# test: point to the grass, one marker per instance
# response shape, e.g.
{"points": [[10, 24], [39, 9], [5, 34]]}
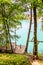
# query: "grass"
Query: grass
{"points": [[40, 55], [13, 59], [41, 62]]}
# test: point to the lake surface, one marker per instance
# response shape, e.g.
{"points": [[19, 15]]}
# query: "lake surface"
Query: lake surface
{"points": [[23, 32]]}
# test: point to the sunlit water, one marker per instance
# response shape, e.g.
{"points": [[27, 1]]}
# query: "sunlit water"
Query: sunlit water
{"points": [[23, 32]]}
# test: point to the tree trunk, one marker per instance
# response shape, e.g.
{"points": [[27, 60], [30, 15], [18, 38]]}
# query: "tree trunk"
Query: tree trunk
{"points": [[6, 27], [35, 52], [9, 37], [29, 31]]}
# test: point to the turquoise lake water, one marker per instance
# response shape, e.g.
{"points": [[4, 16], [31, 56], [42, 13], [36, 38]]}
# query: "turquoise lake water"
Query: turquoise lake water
{"points": [[23, 32]]}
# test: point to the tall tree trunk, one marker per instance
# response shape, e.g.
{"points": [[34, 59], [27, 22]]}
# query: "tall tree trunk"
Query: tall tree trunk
{"points": [[6, 28], [35, 52], [29, 31], [9, 36]]}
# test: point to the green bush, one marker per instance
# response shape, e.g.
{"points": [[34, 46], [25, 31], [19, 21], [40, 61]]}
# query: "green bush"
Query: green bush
{"points": [[13, 59]]}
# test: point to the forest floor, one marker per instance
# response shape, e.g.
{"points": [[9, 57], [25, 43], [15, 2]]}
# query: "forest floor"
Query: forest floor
{"points": [[35, 62], [41, 62]]}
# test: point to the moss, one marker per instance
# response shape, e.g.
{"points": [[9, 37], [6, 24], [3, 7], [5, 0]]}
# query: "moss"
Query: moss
{"points": [[13, 59]]}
